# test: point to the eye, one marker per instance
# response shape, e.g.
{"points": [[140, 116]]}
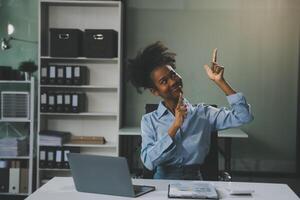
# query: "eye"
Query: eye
{"points": [[163, 81]]}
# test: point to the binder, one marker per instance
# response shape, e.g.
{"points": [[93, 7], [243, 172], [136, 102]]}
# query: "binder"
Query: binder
{"points": [[67, 150], [51, 102], [78, 102], [59, 102], [61, 75], [4, 179], [80, 75], [52, 74], [69, 75], [59, 158], [43, 158], [24, 180], [14, 177], [44, 98], [50, 157], [65, 159], [44, 75], [67, 103]]}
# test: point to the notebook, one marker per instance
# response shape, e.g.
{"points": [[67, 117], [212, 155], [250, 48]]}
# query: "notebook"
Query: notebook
{"points": [[192, 190]]}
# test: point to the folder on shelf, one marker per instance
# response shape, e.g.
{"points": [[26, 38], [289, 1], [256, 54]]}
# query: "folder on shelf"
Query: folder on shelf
{"points": [[80, 75], [23, 180], [52, 74], [50, 157], [43, 158], [78, 102], [65, 158], [61, 74], [51, 102], [4, 179], [44, 75], [67, 150], [44, 98], [58, 158], [59, 103], [67, 103], [14, 177], [69, 75]]}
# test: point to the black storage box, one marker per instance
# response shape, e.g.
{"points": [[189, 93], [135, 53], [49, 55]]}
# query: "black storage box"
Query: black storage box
{"points": [[65, 42], [100, 43]]}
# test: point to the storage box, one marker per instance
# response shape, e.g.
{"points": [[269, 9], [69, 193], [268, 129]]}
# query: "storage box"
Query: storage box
{"points": [[65, 42], [100, 43]]}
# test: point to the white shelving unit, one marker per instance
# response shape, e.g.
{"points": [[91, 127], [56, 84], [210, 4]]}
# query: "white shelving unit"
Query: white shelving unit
{"points": [[102, 117], [29, 86]]}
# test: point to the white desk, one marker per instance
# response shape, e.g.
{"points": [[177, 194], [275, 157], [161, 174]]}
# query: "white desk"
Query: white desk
{"points": [[62, 188], [226, 135]]}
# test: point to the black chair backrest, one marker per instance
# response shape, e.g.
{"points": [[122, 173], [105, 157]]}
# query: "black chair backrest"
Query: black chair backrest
{"points": [[210, 168]]}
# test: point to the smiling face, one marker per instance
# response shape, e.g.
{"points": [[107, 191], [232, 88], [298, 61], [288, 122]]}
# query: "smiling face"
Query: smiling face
{"points": [[167, 83]]}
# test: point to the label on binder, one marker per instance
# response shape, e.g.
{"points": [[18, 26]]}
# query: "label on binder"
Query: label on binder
{"points": [[60, 72], [44, 72], [59, 99], [52, 71], [68, 72], [51, 100], [67, 99], [75, 100], [44, 98], [77, 72]]}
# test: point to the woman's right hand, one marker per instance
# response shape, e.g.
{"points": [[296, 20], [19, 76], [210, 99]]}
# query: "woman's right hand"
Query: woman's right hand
{"points": [[180, 112]]}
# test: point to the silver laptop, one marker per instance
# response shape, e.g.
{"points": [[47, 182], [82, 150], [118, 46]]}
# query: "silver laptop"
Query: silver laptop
{"points": [[104, 175]]}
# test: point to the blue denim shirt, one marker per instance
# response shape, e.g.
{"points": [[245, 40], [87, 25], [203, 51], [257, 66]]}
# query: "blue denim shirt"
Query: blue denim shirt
{"points": [[191, 142]]}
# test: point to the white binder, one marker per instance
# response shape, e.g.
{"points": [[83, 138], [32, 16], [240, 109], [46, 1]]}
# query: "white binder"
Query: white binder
{"points": [[14, 180]]}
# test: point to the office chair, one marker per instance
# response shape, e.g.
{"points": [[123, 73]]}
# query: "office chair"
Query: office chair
{"points": [[210, 168]]}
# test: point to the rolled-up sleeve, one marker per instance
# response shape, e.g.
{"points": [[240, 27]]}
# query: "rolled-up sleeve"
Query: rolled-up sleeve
{"points": [[154, 152], [238, 114]]}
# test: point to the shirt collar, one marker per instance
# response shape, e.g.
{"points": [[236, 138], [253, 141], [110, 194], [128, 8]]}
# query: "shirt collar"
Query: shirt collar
{"points": [[162, 109]]}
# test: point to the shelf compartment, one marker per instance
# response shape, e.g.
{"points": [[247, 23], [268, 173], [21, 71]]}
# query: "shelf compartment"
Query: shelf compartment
{"points": [[15, 157], [100, 87], [90, 114]]}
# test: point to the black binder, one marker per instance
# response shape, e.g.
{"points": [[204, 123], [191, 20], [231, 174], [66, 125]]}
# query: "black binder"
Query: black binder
{"points": [[51, 152], [69, 75], [51, 102], [66, 150], [4, 179], [52, 72], [78, 102], [44, 75], [80, 75], [61, 75], [44, 100], [59, 157], [59, 102], [67, 102], [43, 157]]}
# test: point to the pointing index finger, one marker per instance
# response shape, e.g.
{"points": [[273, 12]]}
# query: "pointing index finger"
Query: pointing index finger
{"points": [[180, 100], [214, 56]]}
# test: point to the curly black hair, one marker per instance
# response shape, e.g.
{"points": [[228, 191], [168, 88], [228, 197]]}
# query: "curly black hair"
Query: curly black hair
{"points": [[146, 60]]}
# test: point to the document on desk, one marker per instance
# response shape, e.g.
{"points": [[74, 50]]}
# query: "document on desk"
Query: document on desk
{"points": [[192, 190]]}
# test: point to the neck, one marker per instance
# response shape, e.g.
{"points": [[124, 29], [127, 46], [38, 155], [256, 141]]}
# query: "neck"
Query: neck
{"points": [[171, 105]]}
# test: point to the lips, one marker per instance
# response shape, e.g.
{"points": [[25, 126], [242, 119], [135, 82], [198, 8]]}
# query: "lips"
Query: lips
{"points": [[177, 87]]}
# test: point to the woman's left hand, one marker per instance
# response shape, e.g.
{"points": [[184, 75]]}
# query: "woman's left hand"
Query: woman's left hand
{"points": [[216, 71]]}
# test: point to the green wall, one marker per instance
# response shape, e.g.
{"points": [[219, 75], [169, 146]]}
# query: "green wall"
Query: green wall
{"points": [[24, 16], [258, 44]]}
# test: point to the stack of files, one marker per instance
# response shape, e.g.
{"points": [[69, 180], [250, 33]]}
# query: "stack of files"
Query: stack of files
{"points": [[13, 146], [54, 138], [87, 140], [56, 157]]}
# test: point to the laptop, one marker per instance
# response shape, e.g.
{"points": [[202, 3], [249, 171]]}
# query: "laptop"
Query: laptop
{"points": [[104, 175]]}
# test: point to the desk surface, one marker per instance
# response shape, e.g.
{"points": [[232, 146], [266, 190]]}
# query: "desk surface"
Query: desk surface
{"points": [[62, 188], [229, 133]]}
